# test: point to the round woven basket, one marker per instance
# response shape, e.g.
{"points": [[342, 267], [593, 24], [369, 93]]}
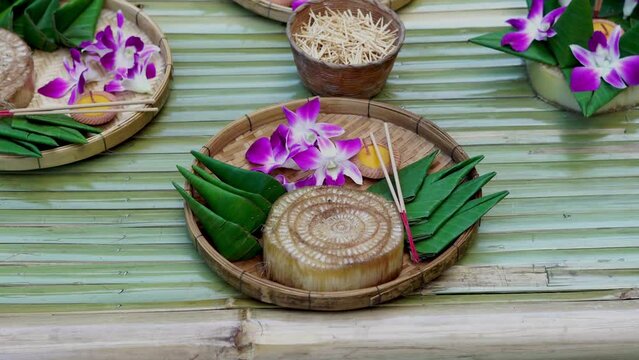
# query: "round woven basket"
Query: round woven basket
{"points": [[412, 135], [49, 66], [358, 81], [272, 10]]}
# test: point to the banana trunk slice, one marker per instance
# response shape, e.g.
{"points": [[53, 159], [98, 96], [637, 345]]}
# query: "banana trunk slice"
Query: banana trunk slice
{"points": [[17, 81], [549, 84], [333, 239]]}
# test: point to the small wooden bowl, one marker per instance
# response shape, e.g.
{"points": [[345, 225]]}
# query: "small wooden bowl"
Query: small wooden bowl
{"points": [[92, 118], [358, 81]]}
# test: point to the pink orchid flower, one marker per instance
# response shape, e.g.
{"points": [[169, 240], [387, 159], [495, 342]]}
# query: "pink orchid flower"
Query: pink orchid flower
{"points": [[628, 7], [137, 78], [331, 161], [116, 51], [81, 71], [535, 27], [304, 127], [273, 153], [603, 60]]}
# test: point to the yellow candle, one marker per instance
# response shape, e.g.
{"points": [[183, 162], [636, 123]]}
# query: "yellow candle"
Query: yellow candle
{"points": [[604, 26], [368, 158]]}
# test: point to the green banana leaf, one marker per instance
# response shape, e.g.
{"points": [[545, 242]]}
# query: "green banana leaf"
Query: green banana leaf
{"points": [[63, 120], [469, 214], [450, 206], [257, 199], [36, 24], [431, 178], [232, 207], [411, 178], [76, 20], [573, 27], [230, 240], [432, 194], [9, 10], [29, 146], [57, 132], [252, 181], [538, 51], [9, 147], [7, 131]]}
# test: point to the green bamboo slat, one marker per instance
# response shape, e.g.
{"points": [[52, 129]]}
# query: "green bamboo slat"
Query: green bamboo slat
{"points": [[39, 253], [105, 235]]}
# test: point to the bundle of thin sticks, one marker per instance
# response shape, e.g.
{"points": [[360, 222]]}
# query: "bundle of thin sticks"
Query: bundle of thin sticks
{"points": [[345, 38], [83, 108]]}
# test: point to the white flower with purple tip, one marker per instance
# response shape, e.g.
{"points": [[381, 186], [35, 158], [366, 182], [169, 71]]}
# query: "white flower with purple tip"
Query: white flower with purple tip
{"points": [[603, 60], [81, 71], [535, 27], [331, 161], [273, 153], [628, 7], [136, 79], [305, 130]]}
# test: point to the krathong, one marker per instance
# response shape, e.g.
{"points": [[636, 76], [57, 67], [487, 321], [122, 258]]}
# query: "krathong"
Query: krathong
{"points": [[124, 62], [569, 39], [304, 144]]}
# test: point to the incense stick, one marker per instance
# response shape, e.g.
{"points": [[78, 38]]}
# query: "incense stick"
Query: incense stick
{"points": [[9, 113], [597, 7], [84, 106], [386, 176]]}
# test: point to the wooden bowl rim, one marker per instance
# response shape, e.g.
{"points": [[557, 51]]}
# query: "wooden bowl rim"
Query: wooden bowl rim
{"points": [[401, 36], [66, 154], [374, 293]]}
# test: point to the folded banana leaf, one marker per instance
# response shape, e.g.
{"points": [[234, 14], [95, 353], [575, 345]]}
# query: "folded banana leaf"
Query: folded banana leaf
{"points": [[257, 199], [57, 132], [243, 179], [11, 148], [76, 20], [230, 240], [411, 178], [8, 132], [36, 25], [232, 207], [449, 207], [433, 193], [469, 214], [29, 146], [63, 120]]}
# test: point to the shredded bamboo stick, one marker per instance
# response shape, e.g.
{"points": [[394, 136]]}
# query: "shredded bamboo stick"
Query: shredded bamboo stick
{"points": [[346, 38]]}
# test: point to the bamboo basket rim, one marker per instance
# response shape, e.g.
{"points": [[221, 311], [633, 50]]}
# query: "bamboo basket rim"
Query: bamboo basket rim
{"points": [[112, 136], [281, 13], [401, 35], [269, 291]]}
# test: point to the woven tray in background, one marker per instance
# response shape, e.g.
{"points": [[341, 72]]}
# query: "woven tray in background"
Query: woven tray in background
{"points": [[281, 13], [413, 137], [49, 66]]}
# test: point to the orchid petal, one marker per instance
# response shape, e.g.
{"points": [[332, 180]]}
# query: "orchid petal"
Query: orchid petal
{"points": [[107, 38], [551, 18], [151, 71], [267, 169], [326, 147], [348, 148], [613, 78], [585, 57], [320, 177], [629, 7], [290, 116], [260, 152], [628, 69], [518, 23], [309, 111], [307, 181], [136, 42], [337, 179], [352, 171], [585, 79], [613, 42], [520, 41], [108, 61], [297, 3], [308, 159], [56, 88], [114, 86], [120, 18], [598, 39], [75, 55], [536, 10], [327, 130]]}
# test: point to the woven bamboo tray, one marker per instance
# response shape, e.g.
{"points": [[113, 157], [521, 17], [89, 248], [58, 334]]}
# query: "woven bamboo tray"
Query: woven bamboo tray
{"points": [[281, 13], [125, 125], [413, 136]]}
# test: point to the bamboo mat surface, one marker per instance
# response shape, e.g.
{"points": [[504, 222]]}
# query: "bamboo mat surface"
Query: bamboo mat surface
{"points": [[103, 241]]}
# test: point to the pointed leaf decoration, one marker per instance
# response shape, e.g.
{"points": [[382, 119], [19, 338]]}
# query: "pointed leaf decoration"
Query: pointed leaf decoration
{"points": [[455, 226], [76, 20], [12, 148], [29, 146], [63, 120], [57, 132], [591, 101], [230, 240], [8, 132], [629, 42], [227, 205], [9, 11], [573, 27], [36, 24], [411, 178], [538, 51]]}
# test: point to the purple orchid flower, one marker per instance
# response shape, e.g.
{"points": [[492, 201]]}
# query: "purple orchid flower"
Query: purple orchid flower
{"points": [[290, 186], [535, 27], [304, 127], [116, 51], [603, 61], [81, 71], [297, 3], [272, 153], [136, 79], [331, 161], [628, 7]]}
